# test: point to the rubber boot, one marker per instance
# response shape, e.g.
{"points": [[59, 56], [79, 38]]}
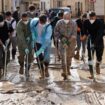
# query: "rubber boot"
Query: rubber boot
{"points": [[91, 72], [42, 72], [46, 71], [21, 71], [98, 68], [64, 74], [68, 70], [76, 56]]}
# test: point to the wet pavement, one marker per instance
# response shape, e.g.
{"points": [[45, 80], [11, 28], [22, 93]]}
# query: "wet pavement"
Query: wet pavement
{"points": [[15, 90]]}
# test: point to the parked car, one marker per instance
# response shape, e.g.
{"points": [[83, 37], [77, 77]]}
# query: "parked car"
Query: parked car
{"points": [[56, 10]]}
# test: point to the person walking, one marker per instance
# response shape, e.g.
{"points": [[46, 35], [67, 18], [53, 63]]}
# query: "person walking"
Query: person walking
{"points": [[66, 32], [24, 42], [94, 30], [41, 37]]}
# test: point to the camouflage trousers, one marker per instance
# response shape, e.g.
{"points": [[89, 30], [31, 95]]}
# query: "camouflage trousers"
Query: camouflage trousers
{"points": [[66, 56], [22, 57]]}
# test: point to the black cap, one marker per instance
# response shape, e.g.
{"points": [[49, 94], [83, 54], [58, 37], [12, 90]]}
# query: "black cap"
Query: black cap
{"points": [[1, 18], [24, 14], [92, 14], [8, 13]]}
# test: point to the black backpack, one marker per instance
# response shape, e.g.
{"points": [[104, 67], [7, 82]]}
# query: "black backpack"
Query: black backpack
{"points": [[10, 28]]}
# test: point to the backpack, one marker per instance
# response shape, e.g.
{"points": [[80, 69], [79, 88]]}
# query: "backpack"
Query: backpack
{"points": [[10, 28], [46, 26]]}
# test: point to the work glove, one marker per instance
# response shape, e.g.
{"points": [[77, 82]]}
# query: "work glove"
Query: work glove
{"points": [[28, 39], [27, 51], [7, 41], [39, 52], [4, 47]]}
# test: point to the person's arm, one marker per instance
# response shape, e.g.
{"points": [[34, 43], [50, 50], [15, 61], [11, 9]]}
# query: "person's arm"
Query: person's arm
{"points": [[84, 31], [74, 31], [57, 32]]}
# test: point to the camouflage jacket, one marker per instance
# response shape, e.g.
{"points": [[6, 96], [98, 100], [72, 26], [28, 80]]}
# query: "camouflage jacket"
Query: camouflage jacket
{"points": [[23, 32], [64, 31]]}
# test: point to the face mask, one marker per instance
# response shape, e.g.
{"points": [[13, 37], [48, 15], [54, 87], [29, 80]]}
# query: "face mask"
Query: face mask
{"points": [[25, 22], [32, 13], [66, 21], [1, 23], [92, 21]]}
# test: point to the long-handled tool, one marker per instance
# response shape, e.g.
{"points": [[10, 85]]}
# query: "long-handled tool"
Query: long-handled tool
{"points": [[5, 62], [39, 63], [27, 68], [65, 59]]}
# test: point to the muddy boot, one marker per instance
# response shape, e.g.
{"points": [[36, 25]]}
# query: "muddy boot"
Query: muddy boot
{"points": [[42, 73], [64, 75], [21, 71], [46, 72], [98, 68], [76, 56], [91, 72], [68, 70]]}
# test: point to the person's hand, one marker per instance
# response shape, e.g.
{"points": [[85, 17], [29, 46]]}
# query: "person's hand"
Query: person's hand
{"points": [[82, 38], [39, 52], [28, 39], [65, 46], [78, 29], [27, 51], [7, 41], [4, 47]]}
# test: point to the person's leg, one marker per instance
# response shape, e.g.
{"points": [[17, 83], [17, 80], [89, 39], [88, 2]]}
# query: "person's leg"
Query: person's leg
{"points": [[78, 47], [99, 54], [1, 61], [70, 55], [14, 44], [90, 63], [21, 62], [47, 59]]}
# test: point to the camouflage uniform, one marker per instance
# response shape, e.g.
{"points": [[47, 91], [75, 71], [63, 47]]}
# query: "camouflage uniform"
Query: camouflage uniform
{"points": [[63, 32], [23, 32]]}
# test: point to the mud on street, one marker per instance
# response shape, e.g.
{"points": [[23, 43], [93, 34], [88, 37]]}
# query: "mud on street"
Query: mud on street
{"points": [[15, 90]]}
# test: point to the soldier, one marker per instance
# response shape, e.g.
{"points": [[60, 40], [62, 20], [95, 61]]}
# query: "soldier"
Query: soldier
{"points": [[24, 41], [66, 32]]}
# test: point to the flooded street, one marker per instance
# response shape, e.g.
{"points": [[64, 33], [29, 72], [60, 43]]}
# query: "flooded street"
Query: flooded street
{"points": [[15, 90]]}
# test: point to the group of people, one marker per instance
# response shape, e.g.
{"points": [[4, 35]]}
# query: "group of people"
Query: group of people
{"points": [[34, 34]]}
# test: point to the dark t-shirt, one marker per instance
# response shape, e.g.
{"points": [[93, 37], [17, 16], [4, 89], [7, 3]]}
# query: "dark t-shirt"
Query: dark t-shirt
{"points": [[95, 30], [4, 33]]}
